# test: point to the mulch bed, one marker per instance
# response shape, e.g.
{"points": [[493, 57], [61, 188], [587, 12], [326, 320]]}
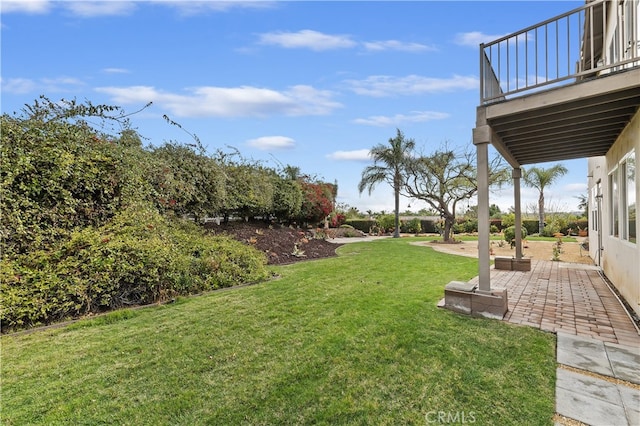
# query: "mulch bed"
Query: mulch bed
{"points": [[279, 242]]}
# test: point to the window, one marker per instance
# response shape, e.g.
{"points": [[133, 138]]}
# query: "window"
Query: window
{"points": [[624, 221], [622, 187], [615, 203], [594, 207], [629, 178]]}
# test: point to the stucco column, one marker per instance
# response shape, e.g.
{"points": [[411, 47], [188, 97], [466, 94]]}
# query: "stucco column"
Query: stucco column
{"points": [[481, 139], [517, 174]]}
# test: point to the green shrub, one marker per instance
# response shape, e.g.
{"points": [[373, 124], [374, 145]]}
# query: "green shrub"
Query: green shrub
{"points": [[574, 226], [508, 220], [471, 225], [189, 183], [387, 222], [137, 258], [428, 226], [412, 226], [510, 234], [531, 225], [458, 228], [56, 177], [363, 225], [497, 223], [558, 223], [287, 198]]}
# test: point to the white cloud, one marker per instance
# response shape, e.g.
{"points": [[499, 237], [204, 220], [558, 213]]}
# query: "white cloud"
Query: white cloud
{"points": [[209, 101], [43, 85], [474, 38], [397, 45], [315, 40], [267, 143], [25, 6], [93, 8], [89, 9], [382, 85], [18, 85], [398, 119], [356, 155], [63, 81], [311, 101], [576, 187], [116, 70], [307, 39], [60, 84], [190, 7]]}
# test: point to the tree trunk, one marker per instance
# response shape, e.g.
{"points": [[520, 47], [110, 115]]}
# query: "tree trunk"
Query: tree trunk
{"points": [[448, 225], [396, 232], [541, 213], [446, 234]]}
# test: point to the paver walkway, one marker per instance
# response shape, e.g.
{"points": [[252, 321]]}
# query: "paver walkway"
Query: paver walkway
{"points": [[598, 349], [566, 297]]}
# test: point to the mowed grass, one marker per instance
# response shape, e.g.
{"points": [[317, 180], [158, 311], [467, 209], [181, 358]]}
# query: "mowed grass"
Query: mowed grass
{"points": [[355, 339]]}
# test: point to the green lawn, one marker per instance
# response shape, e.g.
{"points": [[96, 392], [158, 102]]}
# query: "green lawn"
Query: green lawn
{"points": [[355, 339]]}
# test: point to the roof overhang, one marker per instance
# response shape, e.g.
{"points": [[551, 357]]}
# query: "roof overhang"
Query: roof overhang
{"points": [[576, 121]]}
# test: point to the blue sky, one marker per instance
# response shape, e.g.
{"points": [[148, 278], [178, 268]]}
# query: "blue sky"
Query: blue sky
{"points": [[309, 84]]}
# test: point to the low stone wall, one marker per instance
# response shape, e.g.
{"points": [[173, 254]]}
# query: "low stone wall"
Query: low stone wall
{"points": [[511, 264], [465, 298]]}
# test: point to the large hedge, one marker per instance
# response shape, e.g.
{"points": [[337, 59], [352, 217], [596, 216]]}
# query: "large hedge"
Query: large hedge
{"points": [[60, 174], [186, 181], [55, 177], [92, 220]]}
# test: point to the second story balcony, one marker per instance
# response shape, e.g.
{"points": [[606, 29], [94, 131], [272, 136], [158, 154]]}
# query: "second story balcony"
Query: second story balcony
{"points": [[564, 88]]}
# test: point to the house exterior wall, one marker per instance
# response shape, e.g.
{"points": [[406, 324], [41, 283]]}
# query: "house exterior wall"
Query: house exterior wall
{"points": [[620, 257]]}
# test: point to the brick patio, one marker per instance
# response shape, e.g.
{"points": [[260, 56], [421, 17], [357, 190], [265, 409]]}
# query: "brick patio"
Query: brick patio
{"points": [[566, 297]]}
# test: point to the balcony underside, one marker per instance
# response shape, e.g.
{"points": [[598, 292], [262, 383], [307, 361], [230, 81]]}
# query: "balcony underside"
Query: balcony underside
{"points": [[576, 121]]}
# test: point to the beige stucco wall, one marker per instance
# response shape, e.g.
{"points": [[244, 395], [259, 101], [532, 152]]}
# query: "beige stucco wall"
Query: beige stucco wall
{"points": [[620, 260]]}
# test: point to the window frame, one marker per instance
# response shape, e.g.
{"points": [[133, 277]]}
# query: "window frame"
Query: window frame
{"points": [[622, 200]]}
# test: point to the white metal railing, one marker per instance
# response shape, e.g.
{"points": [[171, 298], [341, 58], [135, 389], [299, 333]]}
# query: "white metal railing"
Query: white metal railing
{"points": [[598, 38]]}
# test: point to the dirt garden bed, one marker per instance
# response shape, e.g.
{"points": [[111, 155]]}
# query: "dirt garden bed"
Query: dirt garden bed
{"points": [[539, 250], [284, 245]]}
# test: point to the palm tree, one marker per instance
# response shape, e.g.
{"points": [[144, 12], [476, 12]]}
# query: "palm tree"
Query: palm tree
{"points": [[539, 179], [583, 204], [388, 166]]}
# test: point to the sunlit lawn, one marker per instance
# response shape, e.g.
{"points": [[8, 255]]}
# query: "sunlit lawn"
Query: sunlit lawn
{"points": [[355, 339]]}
